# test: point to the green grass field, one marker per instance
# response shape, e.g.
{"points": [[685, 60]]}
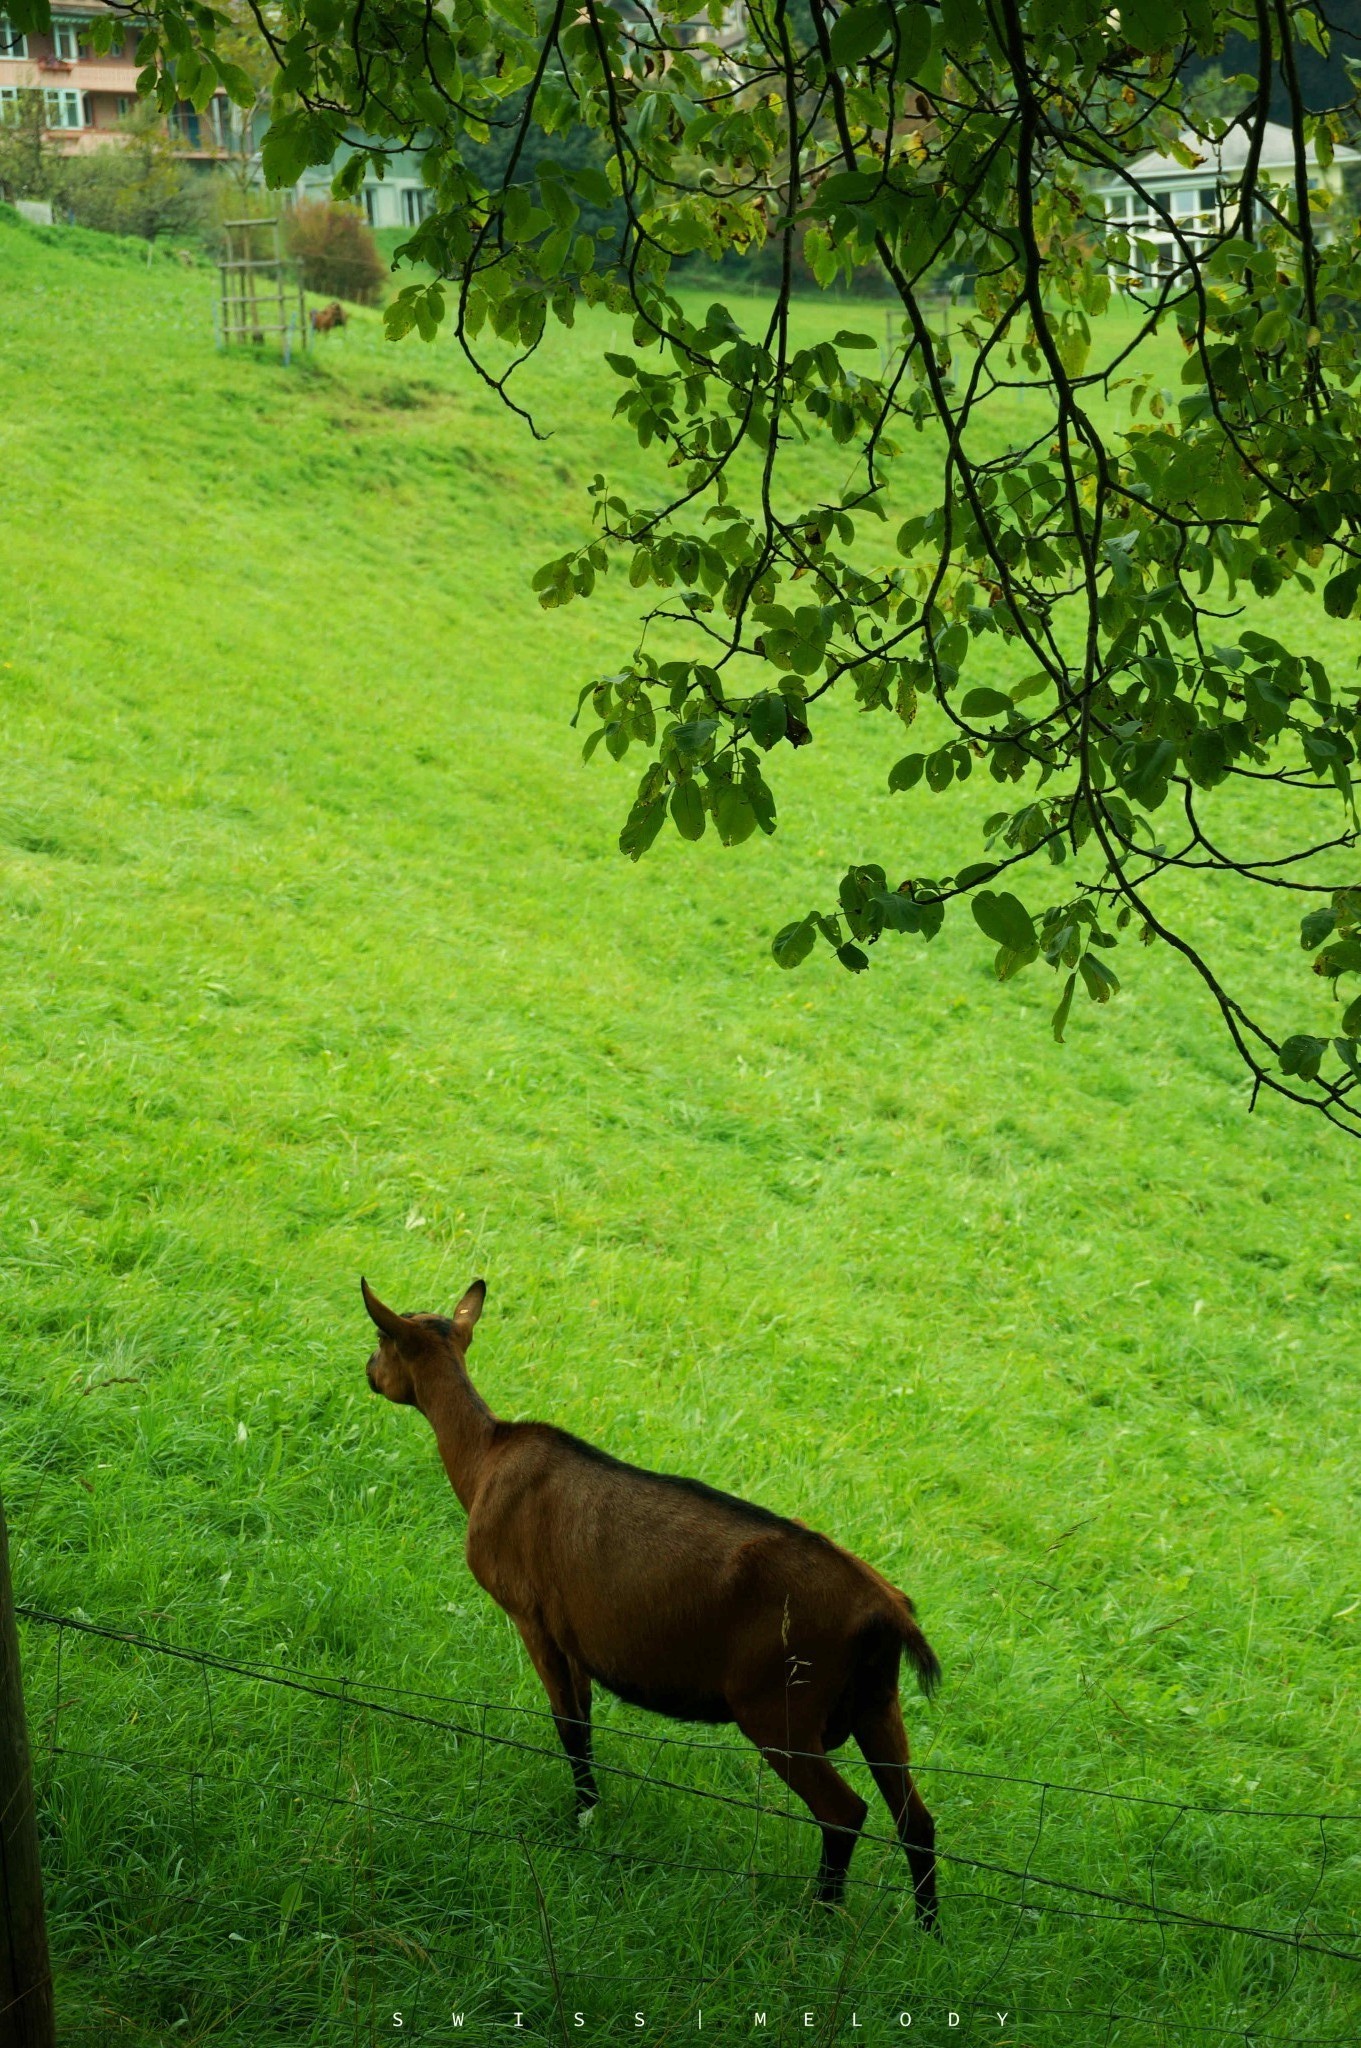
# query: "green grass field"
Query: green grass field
{"points": [[320, 959]]}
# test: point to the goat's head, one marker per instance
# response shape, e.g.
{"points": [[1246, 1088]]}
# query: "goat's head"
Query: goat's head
{"points": [[406, 1344]]}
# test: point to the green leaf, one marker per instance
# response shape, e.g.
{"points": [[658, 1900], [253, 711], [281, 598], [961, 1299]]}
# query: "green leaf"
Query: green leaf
{"points": [[795, 942], [767, 718], [593, 186], [1207, 756], [1340, 593], [289, 1903], [1065, 1004], [733, 814], [1144, 775], [858, 30], [914, 38], [1151, 24], [1343, 958], [687, 809], [1269, 335], [294, 143], [553, 252], [846, 337], [905, 773], [1003, 918], [846, 187], [1303, 1055], [234, 81], [851, 956], [761, 798], [1101, 984], [984, 703], [1315, 927], [643, 824], [691, 739]]}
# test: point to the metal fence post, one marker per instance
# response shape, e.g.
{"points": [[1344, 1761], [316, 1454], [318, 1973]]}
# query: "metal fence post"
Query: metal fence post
{"points": [[26, 2013]]}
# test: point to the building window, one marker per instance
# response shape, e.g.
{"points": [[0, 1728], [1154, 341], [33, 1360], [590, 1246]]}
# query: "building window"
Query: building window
{"points": [[66, 40], [416, 203], [370, 197], [11, 44], [65, 109], [9, 106], [124, 105]]}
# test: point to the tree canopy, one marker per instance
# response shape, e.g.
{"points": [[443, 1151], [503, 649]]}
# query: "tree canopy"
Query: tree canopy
{"points": [[1075, 613]]}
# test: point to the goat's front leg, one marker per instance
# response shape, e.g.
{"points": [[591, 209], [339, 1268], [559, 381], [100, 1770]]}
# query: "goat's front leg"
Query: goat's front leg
{"points": [[581, 1684], [569, 1696]]}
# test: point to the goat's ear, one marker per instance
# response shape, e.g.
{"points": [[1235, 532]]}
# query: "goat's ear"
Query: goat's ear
{"points": [[468, 1311], [388, 1321]]}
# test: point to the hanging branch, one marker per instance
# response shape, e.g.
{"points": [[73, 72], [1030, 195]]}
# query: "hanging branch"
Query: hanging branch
{"points": [[1053, 571]]}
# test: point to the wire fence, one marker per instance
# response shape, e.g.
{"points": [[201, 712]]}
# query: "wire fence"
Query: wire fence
{"points": [[468, 1899]]}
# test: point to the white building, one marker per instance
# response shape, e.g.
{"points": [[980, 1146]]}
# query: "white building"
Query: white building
{"points": [[400, 200], [1201, 200]]}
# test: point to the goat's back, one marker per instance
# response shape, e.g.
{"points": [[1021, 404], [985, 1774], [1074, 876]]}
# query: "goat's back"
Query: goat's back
{"points": [[669, 1592]]}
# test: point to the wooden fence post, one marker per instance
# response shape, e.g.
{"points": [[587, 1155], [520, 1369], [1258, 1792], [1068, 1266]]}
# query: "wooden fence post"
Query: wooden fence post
{"points": [[26, 2014]]}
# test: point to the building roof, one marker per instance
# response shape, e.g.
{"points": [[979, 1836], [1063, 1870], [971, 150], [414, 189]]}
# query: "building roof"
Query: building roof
{"points": [[1228, 157]]}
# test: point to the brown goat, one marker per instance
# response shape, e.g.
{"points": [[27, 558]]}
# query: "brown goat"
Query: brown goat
{"points": [[674, 1597], [324, 318]]}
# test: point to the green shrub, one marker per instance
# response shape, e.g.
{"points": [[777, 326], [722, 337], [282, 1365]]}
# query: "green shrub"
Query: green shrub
{"points": [[135, 186]]}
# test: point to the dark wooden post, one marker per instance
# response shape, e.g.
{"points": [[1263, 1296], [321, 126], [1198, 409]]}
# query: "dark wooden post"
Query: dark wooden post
{"points": [[26, 2017]]}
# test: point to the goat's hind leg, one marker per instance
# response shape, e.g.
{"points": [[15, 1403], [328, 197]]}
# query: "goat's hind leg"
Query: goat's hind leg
{"points": [[882, 1739], [569, 1696], [807, 1771]]}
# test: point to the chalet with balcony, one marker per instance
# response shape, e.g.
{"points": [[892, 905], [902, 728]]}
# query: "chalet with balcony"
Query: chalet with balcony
{"points": [[85, 95]]}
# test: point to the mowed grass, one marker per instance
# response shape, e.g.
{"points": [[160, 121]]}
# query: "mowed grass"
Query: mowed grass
{"points": [[320, 959]]}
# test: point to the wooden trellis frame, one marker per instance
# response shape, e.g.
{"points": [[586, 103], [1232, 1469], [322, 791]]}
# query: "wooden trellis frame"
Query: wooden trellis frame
{"points": [[259, 300]]}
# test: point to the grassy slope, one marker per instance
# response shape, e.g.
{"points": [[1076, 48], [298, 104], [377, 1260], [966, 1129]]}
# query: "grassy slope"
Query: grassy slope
{"points": [[319, 960]]}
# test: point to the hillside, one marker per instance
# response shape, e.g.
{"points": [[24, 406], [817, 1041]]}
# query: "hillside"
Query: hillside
{"points": [[321, 960]]}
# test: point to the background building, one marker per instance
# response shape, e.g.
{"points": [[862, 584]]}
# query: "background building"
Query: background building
{"points": [[86, 96], [1200, 199], [400, 200]]}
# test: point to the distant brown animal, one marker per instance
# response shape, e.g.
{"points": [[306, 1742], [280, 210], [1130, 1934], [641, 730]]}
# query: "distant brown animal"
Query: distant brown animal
{"points": [[324, 318], [674, 1597]]}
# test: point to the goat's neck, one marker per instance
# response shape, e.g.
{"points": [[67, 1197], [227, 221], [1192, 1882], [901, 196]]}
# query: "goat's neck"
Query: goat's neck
{"points": [[462, 1422]]}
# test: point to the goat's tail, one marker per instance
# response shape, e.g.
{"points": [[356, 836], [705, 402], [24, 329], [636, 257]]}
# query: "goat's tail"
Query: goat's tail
{"points": [[918, 1651]]}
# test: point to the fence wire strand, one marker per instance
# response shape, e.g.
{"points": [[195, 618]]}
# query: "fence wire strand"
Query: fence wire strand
{"points": [[1062, 1896]]}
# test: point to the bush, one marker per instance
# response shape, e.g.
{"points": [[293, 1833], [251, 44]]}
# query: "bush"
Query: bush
{"points": [[334, 249], [136, 186]]}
